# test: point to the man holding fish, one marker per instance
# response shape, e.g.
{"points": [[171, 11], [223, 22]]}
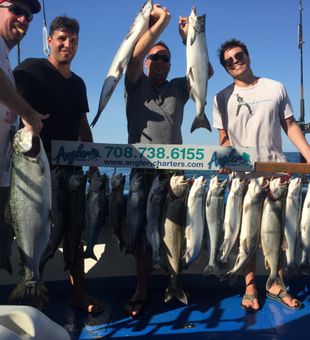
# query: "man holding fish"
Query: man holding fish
{"points": [[250, 113], [154, 108], [15, 18], [52, 87]]}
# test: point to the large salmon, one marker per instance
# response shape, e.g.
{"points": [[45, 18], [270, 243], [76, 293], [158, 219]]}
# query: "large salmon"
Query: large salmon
{"points": [[215, 218], [271, 230], [195, 221], [250, 225], [197, 67], [293, 207], [30, 209], [173, 235], [122, 56]]}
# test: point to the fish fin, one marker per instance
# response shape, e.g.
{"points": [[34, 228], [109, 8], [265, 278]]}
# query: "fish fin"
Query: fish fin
{"points": [[176, 292], [192, 39], [201, 122], [110, 82], [275, 280], [284, 245], [191, 79], [267, 265], [35, 291]]}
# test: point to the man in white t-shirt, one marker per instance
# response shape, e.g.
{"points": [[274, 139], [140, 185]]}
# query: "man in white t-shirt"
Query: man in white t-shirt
{"points": [[250, 113], [15, 17]]}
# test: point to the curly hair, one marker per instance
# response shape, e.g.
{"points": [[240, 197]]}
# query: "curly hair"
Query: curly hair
{"points": [[229, 44]]}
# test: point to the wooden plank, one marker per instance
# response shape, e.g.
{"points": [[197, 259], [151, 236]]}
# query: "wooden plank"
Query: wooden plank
{"points": [[287, 167]]}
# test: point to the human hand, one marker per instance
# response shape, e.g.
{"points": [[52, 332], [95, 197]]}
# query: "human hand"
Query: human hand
{"points": [[159, 12], [183, 28], [33, 122]]}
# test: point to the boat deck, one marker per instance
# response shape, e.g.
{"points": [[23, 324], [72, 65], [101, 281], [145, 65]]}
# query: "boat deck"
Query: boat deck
{"points": [[213, 311]]}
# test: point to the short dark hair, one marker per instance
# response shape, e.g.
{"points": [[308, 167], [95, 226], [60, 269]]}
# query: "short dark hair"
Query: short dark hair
{"points": [[229, 44], [64, 23], [161, 43]]}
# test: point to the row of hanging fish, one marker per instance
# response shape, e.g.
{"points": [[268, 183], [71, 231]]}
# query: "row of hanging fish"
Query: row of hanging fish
{"points": [[184, 215]]}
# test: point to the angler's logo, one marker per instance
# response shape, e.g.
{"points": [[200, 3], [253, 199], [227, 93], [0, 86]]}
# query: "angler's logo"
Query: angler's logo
{"points": [[79, 155], [232, 159]]}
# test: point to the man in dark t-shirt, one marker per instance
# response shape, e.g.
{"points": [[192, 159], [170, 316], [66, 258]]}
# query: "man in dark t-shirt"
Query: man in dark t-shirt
{"points": [[52, 88]]}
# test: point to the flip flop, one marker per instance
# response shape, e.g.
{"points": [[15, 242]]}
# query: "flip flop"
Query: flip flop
{"points": [[84, 305], [279, 298], [249, 297], [132, 305]]}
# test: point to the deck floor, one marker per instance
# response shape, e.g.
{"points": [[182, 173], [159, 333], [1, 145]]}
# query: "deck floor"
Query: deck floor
{"points": [[213, 312]]}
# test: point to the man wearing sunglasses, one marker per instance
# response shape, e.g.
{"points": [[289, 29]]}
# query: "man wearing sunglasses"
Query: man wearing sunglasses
{"points": [[15, 17], [250, 113], [154, 109]]}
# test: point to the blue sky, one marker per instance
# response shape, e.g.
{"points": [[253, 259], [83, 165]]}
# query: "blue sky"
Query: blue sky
{"points": [[268, 27]]}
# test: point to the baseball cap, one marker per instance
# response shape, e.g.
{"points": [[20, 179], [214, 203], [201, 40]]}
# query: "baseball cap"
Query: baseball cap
{"points": [[34, 5]]}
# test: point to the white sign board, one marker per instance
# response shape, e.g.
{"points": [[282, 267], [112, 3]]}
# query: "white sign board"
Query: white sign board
{"points": [[153, 156]]}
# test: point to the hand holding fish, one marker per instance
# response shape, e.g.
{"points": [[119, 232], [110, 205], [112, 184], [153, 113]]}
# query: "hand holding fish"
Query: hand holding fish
{"points": [[33, 122], [158, 13], [183, 28]]}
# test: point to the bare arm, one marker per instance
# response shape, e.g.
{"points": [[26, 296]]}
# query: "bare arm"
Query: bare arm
{"points": [[296, 136], [224, 138], [159, 20], [85, 134], [15, 102], [224, 141]]}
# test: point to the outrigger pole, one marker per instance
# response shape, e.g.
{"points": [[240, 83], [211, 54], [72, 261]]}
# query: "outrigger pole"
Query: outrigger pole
{"points": [[45, 34], [305, 127]]}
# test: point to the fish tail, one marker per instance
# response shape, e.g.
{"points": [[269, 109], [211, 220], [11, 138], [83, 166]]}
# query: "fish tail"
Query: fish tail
{"points": [[93, 123], [201, 122], [274, 279], [176, 292], [211, 270], [34, 291]]}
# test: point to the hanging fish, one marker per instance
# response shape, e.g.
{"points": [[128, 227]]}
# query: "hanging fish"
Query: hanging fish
{"points": [[271, 230], [195, 221], [173, 235], [215, 217], [122, 56]]}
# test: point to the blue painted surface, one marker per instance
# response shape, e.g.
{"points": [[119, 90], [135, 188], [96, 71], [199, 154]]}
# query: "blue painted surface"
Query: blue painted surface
{"points": [[213, 312]]}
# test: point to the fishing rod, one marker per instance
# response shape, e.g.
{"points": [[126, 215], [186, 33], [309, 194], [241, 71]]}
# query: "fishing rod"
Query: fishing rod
{"points": [[305, 127]]}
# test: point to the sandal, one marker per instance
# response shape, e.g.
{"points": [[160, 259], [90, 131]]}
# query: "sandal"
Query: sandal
{"points": [[249, 297], [132, 308], [89, 305], [279, 298]]}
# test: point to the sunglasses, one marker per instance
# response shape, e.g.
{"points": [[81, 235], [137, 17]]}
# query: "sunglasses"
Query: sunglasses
{"points": [[18, 11], [229, 63], [159, 57]]}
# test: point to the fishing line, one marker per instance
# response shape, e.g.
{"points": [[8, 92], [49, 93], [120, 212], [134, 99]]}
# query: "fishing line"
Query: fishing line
{"points": [[45, 34]]}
